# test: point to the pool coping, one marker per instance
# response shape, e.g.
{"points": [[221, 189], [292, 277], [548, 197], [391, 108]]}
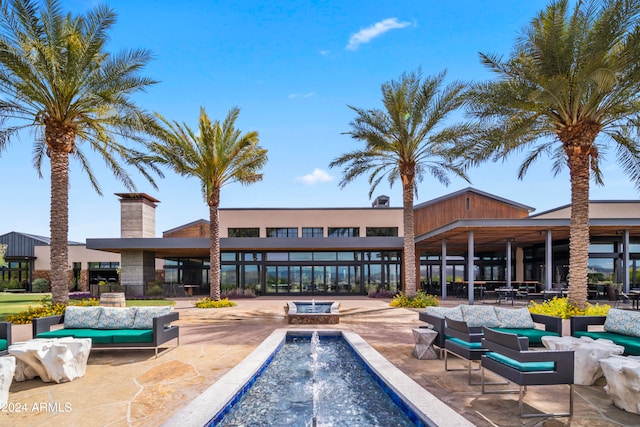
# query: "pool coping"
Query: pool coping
{"points": [[214, 399]]}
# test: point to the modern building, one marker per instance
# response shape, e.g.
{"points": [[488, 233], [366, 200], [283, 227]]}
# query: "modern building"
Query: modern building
{"points": [[28, 258], [463, 240]]}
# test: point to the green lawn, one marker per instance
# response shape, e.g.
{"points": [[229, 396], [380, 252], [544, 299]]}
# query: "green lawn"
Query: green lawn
{"points": [[15, 303]]}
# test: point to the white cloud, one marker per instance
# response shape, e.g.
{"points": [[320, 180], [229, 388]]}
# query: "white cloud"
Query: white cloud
{"points": [[301, 95], [325, 52], [367, 34], [315, 177]]}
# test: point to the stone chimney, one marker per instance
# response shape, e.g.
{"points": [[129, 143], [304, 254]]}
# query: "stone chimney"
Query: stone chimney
{"points": [[137, 215]]}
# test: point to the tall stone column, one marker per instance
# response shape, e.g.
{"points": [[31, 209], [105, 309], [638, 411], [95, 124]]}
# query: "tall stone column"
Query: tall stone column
{"points": [[137, 220]]}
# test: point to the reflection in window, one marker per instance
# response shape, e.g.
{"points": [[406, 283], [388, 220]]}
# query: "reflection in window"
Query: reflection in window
{"points": [[382, 231], [243, 232], [343, 232], [282, 232], [311, 231]]}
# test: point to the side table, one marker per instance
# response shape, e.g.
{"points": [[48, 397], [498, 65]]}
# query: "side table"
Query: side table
{"points": [[53, 360], [424, 343], [587, 354], [7, 370]]}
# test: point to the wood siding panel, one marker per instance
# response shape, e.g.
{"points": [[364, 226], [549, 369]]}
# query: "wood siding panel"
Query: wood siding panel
{"points": [[196, 230], [465, 206]]}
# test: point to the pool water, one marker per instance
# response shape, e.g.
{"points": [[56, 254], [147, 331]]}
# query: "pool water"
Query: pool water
{"points": [[324, 384]]}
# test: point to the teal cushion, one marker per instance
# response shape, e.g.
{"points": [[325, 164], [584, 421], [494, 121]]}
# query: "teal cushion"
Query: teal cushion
{"points": [[3, 344], [117, 317], [82, 317], [57, 333], [472, 345], [145, 315], [521, 366], [623, 322], [451, 312], [631, 344], [514, 318], [477, 315], [98, 336], [132, 336], [534, 335]]}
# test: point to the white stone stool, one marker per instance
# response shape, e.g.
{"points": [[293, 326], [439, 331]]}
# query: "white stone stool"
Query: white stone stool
{"points": [[7, 370], [53, 360], [623, 381], [587, 354], [424, 343]]}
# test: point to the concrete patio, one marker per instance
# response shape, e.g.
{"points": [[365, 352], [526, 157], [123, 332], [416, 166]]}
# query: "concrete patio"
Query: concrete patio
{"points": [[132, 388]]}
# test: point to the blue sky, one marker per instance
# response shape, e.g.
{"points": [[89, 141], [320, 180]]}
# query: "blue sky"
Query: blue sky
{"points": [[292, 67]]}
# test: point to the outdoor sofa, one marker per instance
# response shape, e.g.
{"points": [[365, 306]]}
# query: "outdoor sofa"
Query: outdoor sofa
{"points": [[517, 321], [5, 337], [113, 327], [620, 326]]}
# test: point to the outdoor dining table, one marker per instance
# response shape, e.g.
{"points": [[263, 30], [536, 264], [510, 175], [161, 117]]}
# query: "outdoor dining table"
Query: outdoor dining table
{"points": [[506, 294]]}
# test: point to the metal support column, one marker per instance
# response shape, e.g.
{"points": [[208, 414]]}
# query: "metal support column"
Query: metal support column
{"points": [[548, 260], [470, 270], [443, 269], [508, 269]]}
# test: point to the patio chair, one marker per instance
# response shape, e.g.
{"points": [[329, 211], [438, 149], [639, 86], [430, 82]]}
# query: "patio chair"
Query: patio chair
{"points": [[464, 342], [509, 356]]}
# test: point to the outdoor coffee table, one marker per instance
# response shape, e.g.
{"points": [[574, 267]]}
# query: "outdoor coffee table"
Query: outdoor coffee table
{"points": [[424, 343], [587, 354], [53, 360]]}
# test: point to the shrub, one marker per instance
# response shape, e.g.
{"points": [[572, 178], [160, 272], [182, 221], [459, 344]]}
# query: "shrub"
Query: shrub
{"points": [[40, 285], [11, 284], [381, 293], [236, 293], [155, 291], [421, 300], [560, 307], [47, 308], [79, 295], [208, 302]]}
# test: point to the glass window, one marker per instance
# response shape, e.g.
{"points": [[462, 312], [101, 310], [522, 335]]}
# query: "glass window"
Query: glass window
{"points": [[252, 256], [382, 231], [343, 232], [601, 248], [282, 232], [252, 277], [348, 256], [312, 232], [243, 232], [324, 256], [277, 256], [300, 256], [228, 256]]}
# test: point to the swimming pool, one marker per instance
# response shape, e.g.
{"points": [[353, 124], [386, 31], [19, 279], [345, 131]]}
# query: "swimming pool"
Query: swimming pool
{"points": [[415, 402]]}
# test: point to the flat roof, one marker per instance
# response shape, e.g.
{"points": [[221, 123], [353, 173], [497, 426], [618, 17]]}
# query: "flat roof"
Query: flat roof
{"points": [[165, 247]]}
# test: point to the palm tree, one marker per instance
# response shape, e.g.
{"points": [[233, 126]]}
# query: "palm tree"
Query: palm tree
{"points": [[218, 154], [404, 141], [57, 80], [568, 90]]}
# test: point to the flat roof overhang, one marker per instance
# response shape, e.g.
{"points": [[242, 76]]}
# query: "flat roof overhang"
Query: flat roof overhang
{"points": [[199, 247], [492, 234]]}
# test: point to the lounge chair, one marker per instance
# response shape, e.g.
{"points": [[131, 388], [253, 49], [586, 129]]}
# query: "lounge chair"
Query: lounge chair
{"points": [[509, 356]]}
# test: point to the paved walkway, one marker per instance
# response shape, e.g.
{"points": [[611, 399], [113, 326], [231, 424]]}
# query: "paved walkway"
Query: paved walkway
{"points": [[132, 388]]}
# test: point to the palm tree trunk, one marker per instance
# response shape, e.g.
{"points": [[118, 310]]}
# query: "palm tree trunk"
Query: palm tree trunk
{"points": [[59, 225], [409, 258], [214, 251], [579, 234]]}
